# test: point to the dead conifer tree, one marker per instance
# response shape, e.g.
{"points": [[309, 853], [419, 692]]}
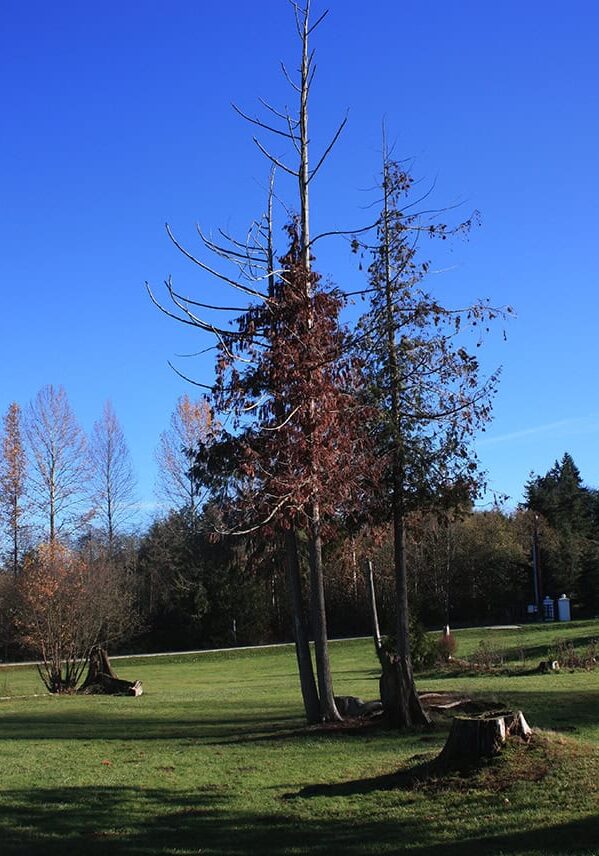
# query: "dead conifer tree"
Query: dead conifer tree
{"points": [[283, 367]]}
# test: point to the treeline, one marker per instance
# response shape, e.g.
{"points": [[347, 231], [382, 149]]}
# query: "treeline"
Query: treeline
{"points": [[56, 483], [469, 566], [466, 567], [183, 584], [203, 589]]}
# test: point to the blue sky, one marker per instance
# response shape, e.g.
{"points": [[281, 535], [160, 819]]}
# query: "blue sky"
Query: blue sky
{"points": [[117, 118]]}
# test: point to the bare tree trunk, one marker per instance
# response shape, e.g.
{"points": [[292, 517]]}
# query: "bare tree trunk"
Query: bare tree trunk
{"points": [[374, 614], [15, 541], [52, 510], [294, 585], [109, 523], [410, 710], [304, 172], [300, 635], [448, 573], [328, 708]]}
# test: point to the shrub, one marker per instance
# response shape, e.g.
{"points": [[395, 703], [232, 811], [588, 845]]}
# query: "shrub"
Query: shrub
{"points": [[570, 658], [422, 646], [487, 656], [446, 646], [66, 606]]}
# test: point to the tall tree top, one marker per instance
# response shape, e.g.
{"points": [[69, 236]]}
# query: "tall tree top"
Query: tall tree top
{"points": [[561, 497]]}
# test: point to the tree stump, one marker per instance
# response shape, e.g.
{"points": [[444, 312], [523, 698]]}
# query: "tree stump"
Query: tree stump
{"points": [[475, 738], [99, 664], [101, 677]]}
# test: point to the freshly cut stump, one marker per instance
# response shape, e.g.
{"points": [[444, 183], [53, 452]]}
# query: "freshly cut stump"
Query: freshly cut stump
{"points": [[475, 738]]}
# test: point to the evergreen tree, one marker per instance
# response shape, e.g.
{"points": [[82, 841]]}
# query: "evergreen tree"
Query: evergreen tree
{"points": [[570, 562], [561, 498], [426, 390]]}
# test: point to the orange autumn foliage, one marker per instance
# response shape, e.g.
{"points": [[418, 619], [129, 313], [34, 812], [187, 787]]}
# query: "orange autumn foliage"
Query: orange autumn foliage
{"points": [[62, 611]]}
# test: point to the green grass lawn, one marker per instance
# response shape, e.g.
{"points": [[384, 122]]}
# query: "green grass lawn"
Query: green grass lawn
{"points": [[214, 759]]}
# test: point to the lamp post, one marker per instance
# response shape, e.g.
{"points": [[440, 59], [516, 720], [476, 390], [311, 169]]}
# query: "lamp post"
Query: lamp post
{"points": [[536, 569]]}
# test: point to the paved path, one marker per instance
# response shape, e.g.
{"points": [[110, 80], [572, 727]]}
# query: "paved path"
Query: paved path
{"points": [[493, 627]]}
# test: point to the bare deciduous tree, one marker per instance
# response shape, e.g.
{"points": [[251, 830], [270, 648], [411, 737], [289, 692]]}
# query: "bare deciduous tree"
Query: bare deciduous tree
{"points": [[60, 469], [191, 426], [13, 469], [113, 478]]}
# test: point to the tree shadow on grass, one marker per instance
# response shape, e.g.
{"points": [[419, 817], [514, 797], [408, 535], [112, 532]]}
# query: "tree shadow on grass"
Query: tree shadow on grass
{"points": [[361, 729], [398, 780], [555, 710], [580, 836], [548, 709], [148, 822], [95, 725], [532, 652]]}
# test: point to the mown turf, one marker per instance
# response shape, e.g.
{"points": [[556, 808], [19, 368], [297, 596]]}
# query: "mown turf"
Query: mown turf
{"points": [[214, 759]]}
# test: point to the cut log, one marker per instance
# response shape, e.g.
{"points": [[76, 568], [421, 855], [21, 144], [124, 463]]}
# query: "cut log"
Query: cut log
{"points": [[444, 701], [101, 677], [475, 738], [116, 686], [548, 666], [354, 707], [349, 705]]}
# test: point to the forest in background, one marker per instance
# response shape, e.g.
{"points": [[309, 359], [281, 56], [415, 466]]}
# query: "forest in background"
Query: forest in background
{"points": [[180, 585]]}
